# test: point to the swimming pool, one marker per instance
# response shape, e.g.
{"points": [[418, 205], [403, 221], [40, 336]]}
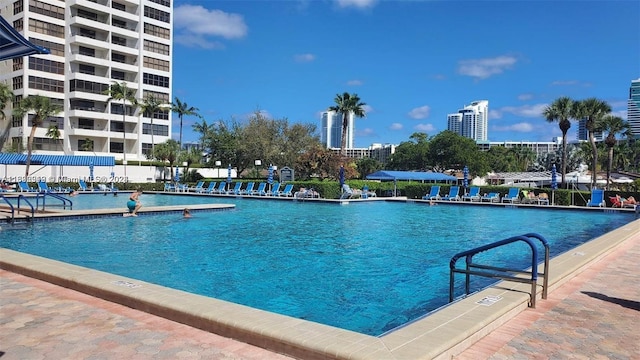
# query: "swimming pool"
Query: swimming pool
{"points": [[367, 267]]}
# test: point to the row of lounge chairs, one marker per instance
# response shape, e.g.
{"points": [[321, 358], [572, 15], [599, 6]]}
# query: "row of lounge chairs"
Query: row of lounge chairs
{"points": [[493, 197], [221, 189], [43, 187]]}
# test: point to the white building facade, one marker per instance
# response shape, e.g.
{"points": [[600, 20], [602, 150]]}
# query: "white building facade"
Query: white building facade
{"points": [[331, 134], [472, 121], [93, 43], [633, 108]]}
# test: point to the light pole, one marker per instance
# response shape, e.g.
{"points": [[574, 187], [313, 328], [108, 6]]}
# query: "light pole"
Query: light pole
{"points": [[257, 163]]}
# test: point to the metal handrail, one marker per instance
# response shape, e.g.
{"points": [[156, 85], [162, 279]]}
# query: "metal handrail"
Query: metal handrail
{"points": [[11, 207], [503, 273], [28, 203], [55, 196]]}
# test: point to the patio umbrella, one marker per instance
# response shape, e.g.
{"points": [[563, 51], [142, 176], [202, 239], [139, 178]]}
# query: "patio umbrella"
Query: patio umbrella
{"points": [[176, 178], [270, 176], [229, 177], [554, 182], [113, 176], [91, 173], [341, 177], [465, 179]]}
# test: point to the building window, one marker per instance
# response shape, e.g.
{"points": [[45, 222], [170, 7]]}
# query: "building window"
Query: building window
{"points": [[87, 14], [16, 101], [118, 40], [119, 23], [160, 130], [156, 14], [46, 28], [116, 147], [146, 150], [16, 121], [117, 126], [87, 69], [82, 105], [86, 124], [18, 63], [166, 3], [118, 6], [85, 144], [53, 11], [156, 47], [117, 75], [118, 58], [45, 84], [156, 80], [18, 7], [87, 33], [158, 95], [18, 25], [49, 66], [17, 82], [87, 86], [54, 48], [157, 31], [47, 144], [157, 64]]}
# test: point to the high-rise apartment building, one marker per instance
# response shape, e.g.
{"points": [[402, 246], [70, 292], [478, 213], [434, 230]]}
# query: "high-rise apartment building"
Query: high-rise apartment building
{"points": [[583, 133], [331, 135], [472, 121], [633, 108], [93, 44]]}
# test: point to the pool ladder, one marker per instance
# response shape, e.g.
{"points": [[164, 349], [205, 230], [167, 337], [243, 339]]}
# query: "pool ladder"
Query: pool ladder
{"points": [[503, 273]]}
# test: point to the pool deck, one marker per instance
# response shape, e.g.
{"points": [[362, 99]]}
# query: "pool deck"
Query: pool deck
{"points": [[592, 310]]}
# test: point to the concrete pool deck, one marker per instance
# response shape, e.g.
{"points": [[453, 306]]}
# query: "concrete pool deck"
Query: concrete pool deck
{"points": [[441, 335]]}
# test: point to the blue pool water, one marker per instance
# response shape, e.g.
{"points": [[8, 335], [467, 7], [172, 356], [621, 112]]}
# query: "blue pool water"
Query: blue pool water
{"points": [[367, 267]]}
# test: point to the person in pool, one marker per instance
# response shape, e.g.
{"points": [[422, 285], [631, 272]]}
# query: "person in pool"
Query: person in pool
{"points": [[134, 203]]}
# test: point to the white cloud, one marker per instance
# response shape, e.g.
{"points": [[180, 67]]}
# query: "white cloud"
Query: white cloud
{"points": [[524, 111], [421, 112], [199, 22], [525, 97], [360, 4], [195, 41], [304, 57], [367, 109], [484, 68], [519, 127], [366, 132], [355, 82], [427, 128], [620, 113], [570, 83], [395, 126]]}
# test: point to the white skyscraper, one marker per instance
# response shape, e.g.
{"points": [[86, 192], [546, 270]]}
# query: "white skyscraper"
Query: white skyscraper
{"points": [[633, 108], [331, 134], [93, 44], [472, 121]]}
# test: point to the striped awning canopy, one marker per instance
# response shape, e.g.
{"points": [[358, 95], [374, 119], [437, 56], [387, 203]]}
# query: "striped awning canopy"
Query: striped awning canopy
{"points": [[72, 160], [390, 175], [14, 45]]}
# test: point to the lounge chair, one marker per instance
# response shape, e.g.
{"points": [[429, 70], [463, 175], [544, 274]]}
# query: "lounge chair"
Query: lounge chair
{"points": [[473, 195], [543, 199], [453, 194], [247, 190], [260, 191], [236, 189], [169, 187], [597, 198], [198, 188], [221, 189], [348, 192], [434, 193], [24, 187], [210, 188], [491, 197], [513, 196], [82, 185], [43, 187], [366, 193], [275, 189], [306, 193], [286, 191]]}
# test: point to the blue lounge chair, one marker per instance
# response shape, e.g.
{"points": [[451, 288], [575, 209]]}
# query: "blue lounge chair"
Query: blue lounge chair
{"points": [[247, 190], [260, 191], [210, 188], [198, 188], [24, 187], [82, 185], [287, 190], [169, 187], [275, 189], [473, 195], [513, 196], [221, 189], [434, 193], [491, 197], [236, 189], [597, 198], [453, 194], [43, 187]]}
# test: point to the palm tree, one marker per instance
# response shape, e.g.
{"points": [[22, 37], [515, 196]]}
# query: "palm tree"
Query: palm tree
{"points": [[53, 132], [42, 108], [167, 151], [6, 95], [204, 130], [592, 110], [149, 106], [183, 109], [560, 111], [120, 91], [346, 104], [612, 125]]}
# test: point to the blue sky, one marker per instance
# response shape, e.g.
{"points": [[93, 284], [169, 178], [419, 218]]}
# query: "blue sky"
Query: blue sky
{"points": [[412, 62]]}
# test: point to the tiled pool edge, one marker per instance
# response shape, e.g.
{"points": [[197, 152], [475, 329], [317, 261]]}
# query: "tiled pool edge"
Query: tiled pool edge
{"points": [[440, 335]]}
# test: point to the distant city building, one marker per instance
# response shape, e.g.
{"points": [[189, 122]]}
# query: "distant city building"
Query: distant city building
{"points": [[472, 121], [93, 44], [331, 134], [583, 133], [540, 148], [379, 152], [633, 108]]}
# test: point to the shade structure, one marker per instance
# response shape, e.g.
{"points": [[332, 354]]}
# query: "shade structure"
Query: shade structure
{"points": [[229, 176], [270, 176], [14, 45], [554, 178], [391, 175], [72, 160], [465, 176], [341, 176]]}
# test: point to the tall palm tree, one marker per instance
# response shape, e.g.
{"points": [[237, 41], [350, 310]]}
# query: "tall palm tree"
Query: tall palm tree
{"points": [[204, 130], [560, 111], [42, 108], [592, 110], [6, 96], [149, 106], [182, 109], [612, 125], [346, 104], [120, 92]]}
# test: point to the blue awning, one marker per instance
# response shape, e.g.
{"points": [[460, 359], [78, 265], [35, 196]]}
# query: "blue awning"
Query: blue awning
{"points": [[72, 160], [14, 45], [390, 175]]}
